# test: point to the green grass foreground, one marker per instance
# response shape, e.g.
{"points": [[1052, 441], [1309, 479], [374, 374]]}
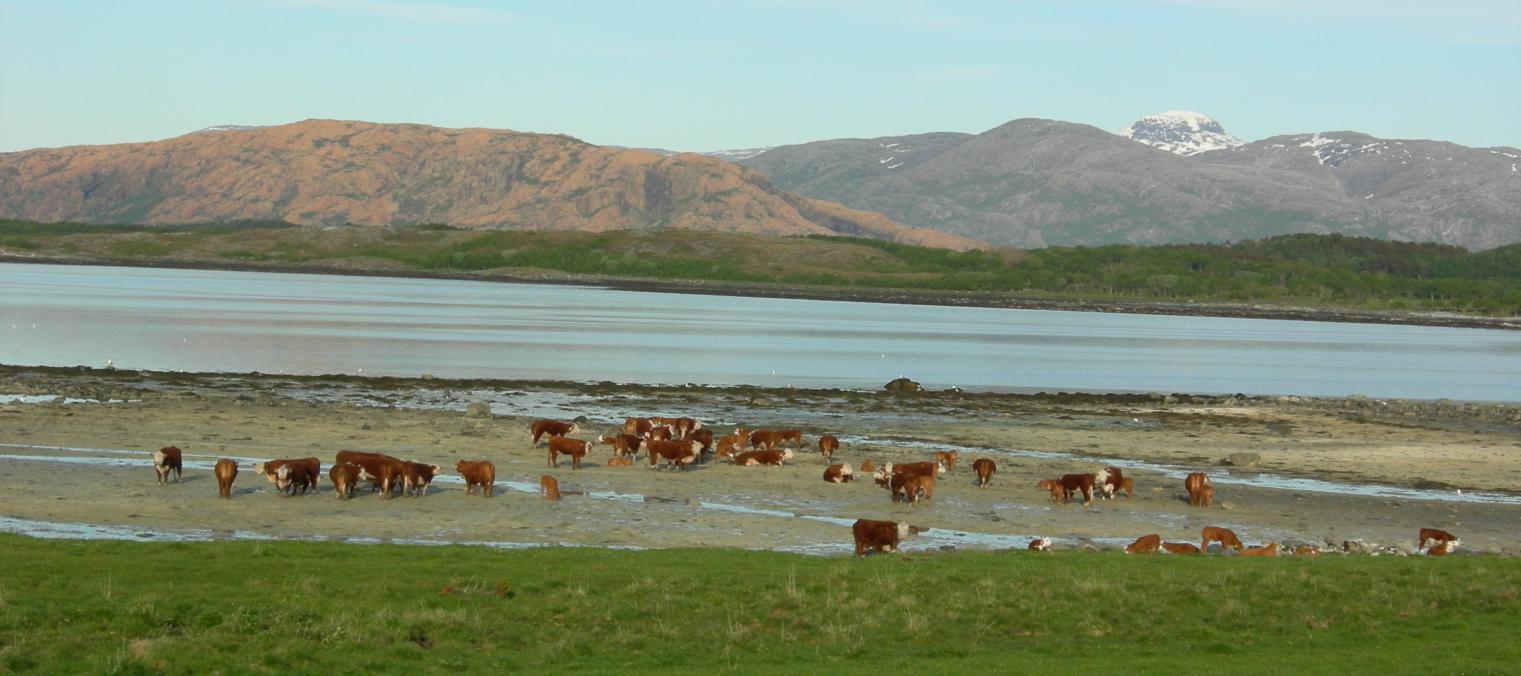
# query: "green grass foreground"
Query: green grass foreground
{"points": [[238, 607]]}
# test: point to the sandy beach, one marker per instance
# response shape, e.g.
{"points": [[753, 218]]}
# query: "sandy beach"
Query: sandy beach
{"points": [[77, 444]]}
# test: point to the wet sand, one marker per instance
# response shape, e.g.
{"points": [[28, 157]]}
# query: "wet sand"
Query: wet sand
{"points": [[1392, 467]]}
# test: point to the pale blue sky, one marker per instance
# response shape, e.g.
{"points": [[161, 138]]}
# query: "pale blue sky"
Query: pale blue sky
{"points": [[707, 75]]}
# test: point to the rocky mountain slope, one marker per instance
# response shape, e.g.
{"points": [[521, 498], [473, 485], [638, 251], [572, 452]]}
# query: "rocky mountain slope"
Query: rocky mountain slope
{"points": [[330, 172], [1035, 182]]}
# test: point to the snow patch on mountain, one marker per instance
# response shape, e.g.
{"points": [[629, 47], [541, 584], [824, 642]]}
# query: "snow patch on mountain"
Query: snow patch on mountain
{"points": [[738, 154], [1181, 132]]}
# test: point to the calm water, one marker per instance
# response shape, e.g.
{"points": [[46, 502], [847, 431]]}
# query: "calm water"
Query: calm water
{"points": [[197, 320]]}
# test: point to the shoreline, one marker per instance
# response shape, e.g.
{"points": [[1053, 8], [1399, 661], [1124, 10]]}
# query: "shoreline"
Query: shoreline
{"points": [[846, 294]]}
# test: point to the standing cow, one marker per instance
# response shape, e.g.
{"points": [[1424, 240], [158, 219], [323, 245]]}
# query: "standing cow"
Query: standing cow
{"points": [[984, 468], [828, 444], [553, 428], [166, 460], [226, 471]]}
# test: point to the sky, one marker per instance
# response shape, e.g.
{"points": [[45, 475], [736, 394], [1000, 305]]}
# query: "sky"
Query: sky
{"points": [[702, 75]]}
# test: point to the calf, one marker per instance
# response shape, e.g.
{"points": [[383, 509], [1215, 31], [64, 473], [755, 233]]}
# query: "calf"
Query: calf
{"points": [[1179, 548], [416, 477], [1108, 481], [1193, 483], [768, 457], [878, 536], [553, 428], [623, 444], [620, 461], [1072, 483], [226, 471], [838, 474], [1225, 536], [1146, 544], [947, 458], [678, 453], [344, 475], [549, 488], [1206, 496], [1269, 549], [1040, 544], [1055, 486], [984, 468], [384, 472], [828, 444], [477, 474], [166, 460], [575, 448]]}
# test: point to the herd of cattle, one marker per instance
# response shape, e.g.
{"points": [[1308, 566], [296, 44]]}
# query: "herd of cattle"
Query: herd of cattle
{"points": [[678, 443]]}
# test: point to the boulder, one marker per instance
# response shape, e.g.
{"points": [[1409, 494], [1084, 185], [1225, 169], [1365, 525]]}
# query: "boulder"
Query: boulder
{"points": [[901, 386]]}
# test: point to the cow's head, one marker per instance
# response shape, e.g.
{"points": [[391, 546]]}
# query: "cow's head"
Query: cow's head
{"points": [[787, 454], [902, 530], [845, 469], [606, 439], [572, 429], [158, 458], [939, 468], [258, 468]]}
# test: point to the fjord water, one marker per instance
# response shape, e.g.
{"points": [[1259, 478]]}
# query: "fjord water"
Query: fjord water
{"points": [[199, 320]]}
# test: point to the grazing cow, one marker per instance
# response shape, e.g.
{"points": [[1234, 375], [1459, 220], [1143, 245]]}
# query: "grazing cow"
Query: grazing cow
{"points": [[166, 460], [477, 474], [553, 428], [828, 444], [1126, 486], [764, 439], [984, 468], [678, 453], [639, 427], [1179, 548], [1072, 483], [908, 487], [1306, 550], [1108, 480], [702, 436], [882, 473], [1225, 536], [1146, 544], [416, 477], [1194, 483], [575, 448], [296, 475], [344, 475], [794, 436], [1055, 486], [838, 474], [868, 466], [948, 459], [384, 472], [1269, 549], [226, 471], [769, 457], [1040, 544], [549, 488], [307, 478], [1427, 535], [1206, 496], [620, 461], [878, 536], [623, 444]]}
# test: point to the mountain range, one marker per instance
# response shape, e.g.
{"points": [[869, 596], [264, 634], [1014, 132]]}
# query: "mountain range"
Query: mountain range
{"points": [[1033, 182], [332, 172]]}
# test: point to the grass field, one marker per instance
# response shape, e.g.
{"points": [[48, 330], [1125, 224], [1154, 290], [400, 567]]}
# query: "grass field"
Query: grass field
{"points": [[238, 607]]}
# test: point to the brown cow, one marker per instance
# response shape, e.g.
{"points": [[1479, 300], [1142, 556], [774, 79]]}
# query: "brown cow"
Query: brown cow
{"points": [[623, 444], [1126, 486], [838, 474], [1108, 481], [1179, 548], [1269, 549], [1306, 550], [908, 488], [296, 475], [828, 444], [549, 487], [660, 433], [947, 458], [575, 448], [384, 472], [1427, 535], [553, 428], [166, 460], [226, 471], [477, 473], [702, 436], [1040, 544], [307, 478], [1441, 548], [868, 466], [1146, 544], [883, 473], [984, 469], [639, 427], [1055, 486], [416, 477], [769, 457], [1225, 536], [344, 476], [680, 426], [1193, 483], [764, 439], [878, 536], [678, 453], [1206, 496], [620, 461], [1072, 483], [729, 446]]}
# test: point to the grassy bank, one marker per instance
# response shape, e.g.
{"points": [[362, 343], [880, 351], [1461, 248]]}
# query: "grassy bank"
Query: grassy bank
{"points": [[1322, 271], [276, 606]]}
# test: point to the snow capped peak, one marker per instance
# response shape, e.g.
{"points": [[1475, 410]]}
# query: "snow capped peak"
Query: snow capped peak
{"points": [[1181, 132]]}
